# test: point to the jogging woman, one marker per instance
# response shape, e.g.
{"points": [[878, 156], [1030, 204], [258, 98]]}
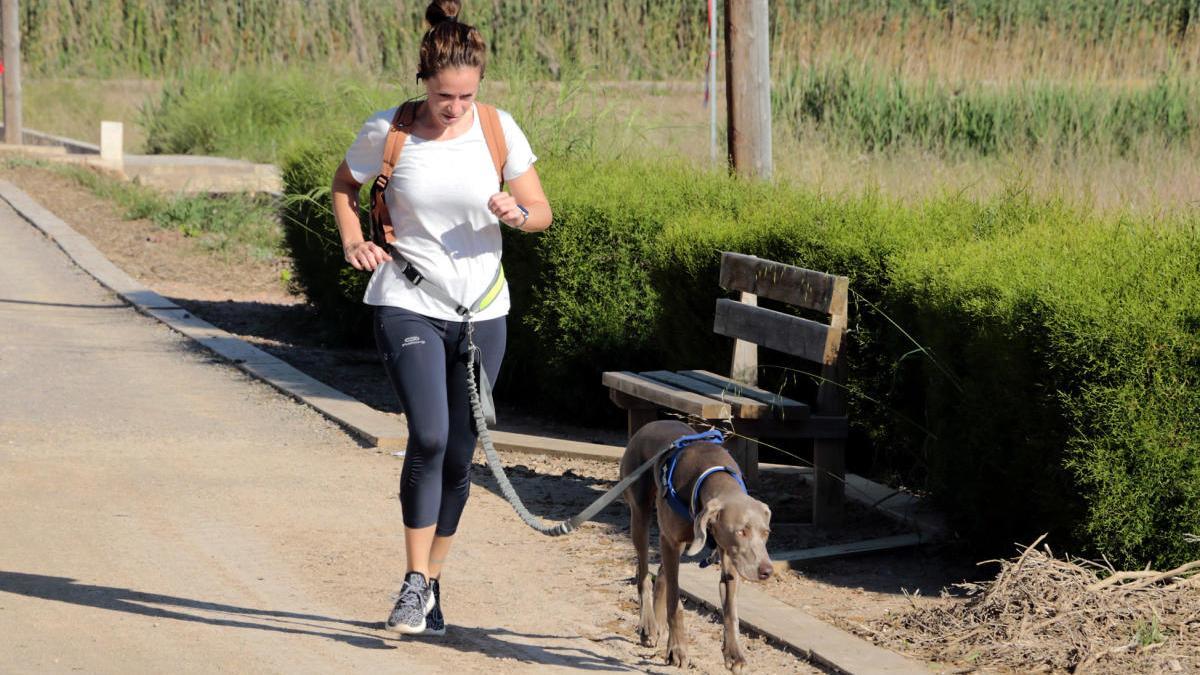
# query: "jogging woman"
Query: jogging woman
{"points": [[446, 208]]}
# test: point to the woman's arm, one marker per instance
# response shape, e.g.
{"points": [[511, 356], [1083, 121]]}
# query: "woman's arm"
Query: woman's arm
{"points": [[362, 254], [525, 190]]}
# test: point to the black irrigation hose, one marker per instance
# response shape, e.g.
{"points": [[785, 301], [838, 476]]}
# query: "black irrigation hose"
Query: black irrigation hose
{"points": [[493, 460]]}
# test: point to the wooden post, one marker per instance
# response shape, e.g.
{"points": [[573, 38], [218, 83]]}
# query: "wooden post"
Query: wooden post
{"points": [[748, 86], [829, 454], [744, 367], [13, 129]]}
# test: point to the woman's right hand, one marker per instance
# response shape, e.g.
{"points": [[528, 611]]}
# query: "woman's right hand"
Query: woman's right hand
{"points": [[365, 255]]}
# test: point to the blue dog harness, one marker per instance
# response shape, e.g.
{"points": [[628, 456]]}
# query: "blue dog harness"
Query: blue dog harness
{"points": [[666, 476]]}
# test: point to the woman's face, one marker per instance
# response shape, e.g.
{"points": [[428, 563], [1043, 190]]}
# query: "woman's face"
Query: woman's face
{"points": [[451, 93]]}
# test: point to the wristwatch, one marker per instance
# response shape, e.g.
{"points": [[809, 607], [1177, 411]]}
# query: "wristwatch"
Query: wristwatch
{"points": [[525, 213]]}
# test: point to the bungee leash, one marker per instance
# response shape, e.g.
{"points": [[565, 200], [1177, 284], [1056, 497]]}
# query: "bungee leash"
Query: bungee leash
{"points": [[481, 409], [493, 460]]}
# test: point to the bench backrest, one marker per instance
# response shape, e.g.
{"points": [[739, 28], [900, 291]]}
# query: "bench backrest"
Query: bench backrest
{"points": [[814, 341]]}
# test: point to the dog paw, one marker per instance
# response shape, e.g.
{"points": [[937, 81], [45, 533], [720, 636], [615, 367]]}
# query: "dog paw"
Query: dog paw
{"points": [[735, 662], [677, 655], [648, 636]]}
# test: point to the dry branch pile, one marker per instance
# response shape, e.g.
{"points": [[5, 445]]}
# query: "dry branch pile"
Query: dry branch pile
{"points": [[1044, 614]]}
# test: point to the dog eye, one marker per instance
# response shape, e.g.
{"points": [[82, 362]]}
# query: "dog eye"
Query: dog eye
{"points": [[742, 532]]}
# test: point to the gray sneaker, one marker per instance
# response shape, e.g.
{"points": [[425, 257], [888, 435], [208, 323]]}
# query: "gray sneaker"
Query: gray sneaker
{"points": [[416, 599], [435, 623]]}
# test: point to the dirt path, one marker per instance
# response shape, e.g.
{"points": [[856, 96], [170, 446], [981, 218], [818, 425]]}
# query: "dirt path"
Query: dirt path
{"points": [[162, 510], [358, 551]]}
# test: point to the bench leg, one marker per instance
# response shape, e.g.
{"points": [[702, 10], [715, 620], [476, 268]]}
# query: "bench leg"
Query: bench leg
{"points": [[829, 488], [745, 453], [640, 417]]}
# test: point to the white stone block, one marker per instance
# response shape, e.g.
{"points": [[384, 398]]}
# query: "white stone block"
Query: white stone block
{"points": [[112, 141]]}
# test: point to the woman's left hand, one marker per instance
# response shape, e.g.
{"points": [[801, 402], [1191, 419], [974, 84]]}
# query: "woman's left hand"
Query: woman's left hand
{"points": [[504, 206]]}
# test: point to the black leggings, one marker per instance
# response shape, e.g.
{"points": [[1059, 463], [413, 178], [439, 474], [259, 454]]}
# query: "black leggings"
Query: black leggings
{"points": [[426, 360]]}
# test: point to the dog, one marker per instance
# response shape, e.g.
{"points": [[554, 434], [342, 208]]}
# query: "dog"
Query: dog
{"points": [[738, 523]]}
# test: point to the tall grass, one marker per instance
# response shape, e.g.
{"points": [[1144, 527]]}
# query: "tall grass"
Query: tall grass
{"points": [[872, 110], [264, 114], [650, 39]]}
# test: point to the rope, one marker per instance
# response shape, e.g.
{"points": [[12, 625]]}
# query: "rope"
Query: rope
{"points": [[493, 460]]}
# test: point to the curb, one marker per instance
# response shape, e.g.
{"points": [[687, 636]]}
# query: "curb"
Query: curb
{"points": [[810, 637]]}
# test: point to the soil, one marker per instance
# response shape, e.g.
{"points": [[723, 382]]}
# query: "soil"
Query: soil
{"points": [[250, 299]]}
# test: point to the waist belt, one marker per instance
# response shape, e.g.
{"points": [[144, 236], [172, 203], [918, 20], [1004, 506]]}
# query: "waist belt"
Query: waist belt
{"points": [[489, 296], [482, 302]]}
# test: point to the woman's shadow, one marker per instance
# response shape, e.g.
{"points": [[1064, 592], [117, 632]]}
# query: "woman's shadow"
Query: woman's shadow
{"points": [[63, 589], [486, 641]]}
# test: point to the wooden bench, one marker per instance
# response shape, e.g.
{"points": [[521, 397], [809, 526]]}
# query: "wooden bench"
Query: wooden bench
{"points": [[703, 397]]}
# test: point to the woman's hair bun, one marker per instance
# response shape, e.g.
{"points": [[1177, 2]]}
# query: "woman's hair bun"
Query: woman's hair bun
{"points": [[442, 10]]}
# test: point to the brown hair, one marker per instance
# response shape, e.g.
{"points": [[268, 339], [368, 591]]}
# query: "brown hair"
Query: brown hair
{"points": [[449, 43]]}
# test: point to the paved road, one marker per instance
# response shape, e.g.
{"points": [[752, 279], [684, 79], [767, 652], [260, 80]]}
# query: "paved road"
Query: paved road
{"points": [[160, 511]]}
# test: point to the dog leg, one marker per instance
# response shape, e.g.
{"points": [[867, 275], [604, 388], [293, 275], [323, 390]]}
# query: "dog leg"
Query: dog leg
{"points": [[676, 636], [735, 660], [660, 600], [639, 528]]}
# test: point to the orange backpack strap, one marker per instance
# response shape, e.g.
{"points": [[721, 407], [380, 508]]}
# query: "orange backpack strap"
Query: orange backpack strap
{"points": [[493, 133], [381, 221], [382, 232]]}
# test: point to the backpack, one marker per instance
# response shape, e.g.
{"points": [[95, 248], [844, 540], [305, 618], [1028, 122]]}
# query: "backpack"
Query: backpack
{"points": [[382, 232]]}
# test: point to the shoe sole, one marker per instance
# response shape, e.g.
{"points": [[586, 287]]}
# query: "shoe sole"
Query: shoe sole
{"points": [[405, 629]]}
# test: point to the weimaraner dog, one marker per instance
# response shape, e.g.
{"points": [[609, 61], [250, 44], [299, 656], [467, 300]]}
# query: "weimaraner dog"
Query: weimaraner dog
{"points": [[738, 523]]}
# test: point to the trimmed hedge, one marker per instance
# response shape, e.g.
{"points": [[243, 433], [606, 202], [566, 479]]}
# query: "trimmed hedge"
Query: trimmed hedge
{"points": [[1050, 382]]}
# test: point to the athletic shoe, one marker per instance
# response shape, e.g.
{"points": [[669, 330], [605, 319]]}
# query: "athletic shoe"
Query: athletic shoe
{"points": [[416, 599], [435, 623]]}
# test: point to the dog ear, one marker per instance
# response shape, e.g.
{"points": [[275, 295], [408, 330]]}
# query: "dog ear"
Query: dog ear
{"points": [[700, 527]]}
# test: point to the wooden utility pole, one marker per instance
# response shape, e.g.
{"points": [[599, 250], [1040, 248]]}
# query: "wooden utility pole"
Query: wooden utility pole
{"points": [[10, 15], [748, 86]]}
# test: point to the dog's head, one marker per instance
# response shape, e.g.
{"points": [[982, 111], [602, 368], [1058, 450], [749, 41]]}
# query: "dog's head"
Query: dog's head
{"points": [[740, 525]]}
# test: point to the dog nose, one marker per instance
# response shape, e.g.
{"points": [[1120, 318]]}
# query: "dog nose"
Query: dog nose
{"points": [[765, 571]]}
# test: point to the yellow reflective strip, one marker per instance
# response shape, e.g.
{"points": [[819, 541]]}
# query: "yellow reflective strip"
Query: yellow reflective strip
{"points": [[494, 291]]}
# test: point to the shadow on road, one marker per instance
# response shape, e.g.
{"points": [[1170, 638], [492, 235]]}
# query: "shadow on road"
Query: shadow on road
{"points": [[491, 642], [14, 301], [62, 589]]}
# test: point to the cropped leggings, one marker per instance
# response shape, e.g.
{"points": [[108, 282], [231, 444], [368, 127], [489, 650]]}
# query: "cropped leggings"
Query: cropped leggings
{"points": [[426, 360]]}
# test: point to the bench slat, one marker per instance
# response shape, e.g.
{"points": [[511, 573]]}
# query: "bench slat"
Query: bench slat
{"points": [[797, 286], [742, 406], [785, 408], [668, 397], [785, 333]]}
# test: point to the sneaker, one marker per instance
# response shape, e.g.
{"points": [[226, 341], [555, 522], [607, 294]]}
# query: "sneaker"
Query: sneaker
{"points": [[416, 599], [435, 623]]}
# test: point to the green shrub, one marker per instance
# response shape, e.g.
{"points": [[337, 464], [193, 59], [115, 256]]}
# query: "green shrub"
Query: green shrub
{"points": [[1034, 367], [259, 114]]}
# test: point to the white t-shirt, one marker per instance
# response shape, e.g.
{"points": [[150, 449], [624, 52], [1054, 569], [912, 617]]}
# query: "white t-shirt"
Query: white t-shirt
{"points": [[437, 198]]}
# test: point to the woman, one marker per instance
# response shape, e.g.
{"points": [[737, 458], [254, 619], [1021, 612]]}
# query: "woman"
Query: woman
{"points": [[446, 208]]}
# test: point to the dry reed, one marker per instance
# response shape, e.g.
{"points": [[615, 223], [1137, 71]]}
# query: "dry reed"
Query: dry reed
{"points": [[1046, 614]]}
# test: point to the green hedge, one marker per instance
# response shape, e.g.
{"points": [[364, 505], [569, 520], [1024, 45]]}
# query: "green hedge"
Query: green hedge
{"points": [[1049, 384]]}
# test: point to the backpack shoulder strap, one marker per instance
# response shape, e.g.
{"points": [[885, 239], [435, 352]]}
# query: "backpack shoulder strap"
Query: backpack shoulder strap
{"points": [[406, 113], [493, 133]]}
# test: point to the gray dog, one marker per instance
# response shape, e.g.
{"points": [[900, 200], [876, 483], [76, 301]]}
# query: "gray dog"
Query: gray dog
{"points": [[739, 525]]}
